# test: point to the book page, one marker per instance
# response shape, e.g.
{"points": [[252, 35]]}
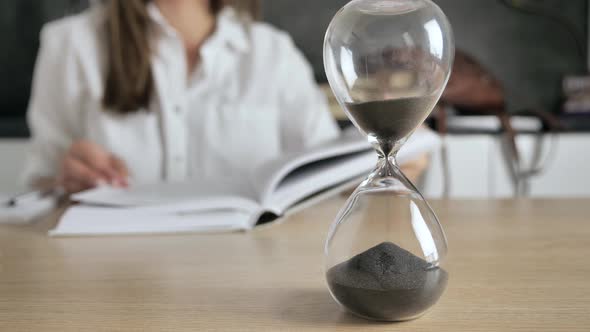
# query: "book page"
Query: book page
{"points": [[189, 206], [305, 176], [92, 220], [270, 175], [308, 180], [197, 193]]}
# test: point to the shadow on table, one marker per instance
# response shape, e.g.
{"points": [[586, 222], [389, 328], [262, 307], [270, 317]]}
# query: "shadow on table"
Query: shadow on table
{"points": [[316, 307]]}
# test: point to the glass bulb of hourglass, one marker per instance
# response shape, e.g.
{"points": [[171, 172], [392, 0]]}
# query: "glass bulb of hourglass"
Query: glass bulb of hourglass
{"points": [[387, 62]]}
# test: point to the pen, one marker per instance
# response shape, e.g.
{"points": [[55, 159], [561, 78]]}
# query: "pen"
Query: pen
{"points": [[28, 197]]}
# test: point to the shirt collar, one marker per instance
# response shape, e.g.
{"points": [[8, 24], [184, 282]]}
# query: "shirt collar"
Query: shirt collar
{"points": [[230, 29]]}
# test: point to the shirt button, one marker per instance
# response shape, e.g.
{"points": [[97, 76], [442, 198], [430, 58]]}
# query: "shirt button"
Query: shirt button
{"points": [[178, 109], [178, 159]]}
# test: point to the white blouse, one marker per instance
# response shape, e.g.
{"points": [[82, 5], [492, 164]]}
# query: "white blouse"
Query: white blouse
{"points": [[251, 99]]}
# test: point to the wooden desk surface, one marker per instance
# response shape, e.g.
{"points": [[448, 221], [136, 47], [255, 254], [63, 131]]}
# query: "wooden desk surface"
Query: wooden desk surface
{"points": [[514, 266]]}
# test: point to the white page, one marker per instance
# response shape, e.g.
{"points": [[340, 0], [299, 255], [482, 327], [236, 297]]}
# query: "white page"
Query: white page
{"points": [[270, 175], [199, 193], [190, 206], [304, 183], [91, 220]]}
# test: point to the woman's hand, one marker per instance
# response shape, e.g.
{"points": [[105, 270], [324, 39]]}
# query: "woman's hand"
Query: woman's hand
{"points": [[87, 165]]}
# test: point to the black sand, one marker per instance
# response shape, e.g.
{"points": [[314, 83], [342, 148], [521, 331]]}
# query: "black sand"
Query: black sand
{"points": [[387, 282], [391, 119]]}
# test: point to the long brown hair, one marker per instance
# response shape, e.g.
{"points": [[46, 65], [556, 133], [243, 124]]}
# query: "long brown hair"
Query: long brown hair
{"points": [[129, 82]]}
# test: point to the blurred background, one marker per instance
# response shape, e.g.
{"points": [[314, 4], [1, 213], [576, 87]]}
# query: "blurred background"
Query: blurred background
{"points": [[515, 122]]}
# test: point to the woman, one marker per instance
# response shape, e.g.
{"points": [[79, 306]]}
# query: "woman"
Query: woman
{"points": [[143, 91]]}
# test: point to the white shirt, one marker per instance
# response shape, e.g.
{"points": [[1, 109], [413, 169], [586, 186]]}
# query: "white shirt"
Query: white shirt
{"points": [[251, 99]]}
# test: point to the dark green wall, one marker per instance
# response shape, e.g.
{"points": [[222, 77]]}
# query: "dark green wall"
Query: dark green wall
{"points": [[20, 22]]}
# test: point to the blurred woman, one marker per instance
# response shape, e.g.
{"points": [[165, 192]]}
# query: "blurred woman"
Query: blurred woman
{"points": [[167, 90]]}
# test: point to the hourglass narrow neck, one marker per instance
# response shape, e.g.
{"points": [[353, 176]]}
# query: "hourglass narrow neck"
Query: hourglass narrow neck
{"points": [[387, 174], [386, 149]]}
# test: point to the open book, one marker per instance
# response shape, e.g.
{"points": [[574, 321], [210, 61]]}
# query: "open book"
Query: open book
{"points": [[294, 181]]}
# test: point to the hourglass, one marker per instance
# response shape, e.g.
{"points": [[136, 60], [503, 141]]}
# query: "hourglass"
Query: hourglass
{"points": [[387, 62]]}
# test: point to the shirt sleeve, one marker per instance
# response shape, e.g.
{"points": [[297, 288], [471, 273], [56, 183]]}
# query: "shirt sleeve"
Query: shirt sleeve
{"points": [[54, 105], [305, 117]]}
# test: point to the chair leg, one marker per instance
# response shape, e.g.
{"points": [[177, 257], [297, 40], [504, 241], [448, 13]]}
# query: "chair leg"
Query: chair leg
{"points": [[511, 163]]}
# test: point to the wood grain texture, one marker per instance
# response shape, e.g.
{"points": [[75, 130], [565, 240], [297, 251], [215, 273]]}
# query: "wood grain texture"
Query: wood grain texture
{"points": [[514, 266]]}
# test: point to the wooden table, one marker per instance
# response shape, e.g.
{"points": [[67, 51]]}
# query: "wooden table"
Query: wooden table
{"points": [[514, 266]]}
